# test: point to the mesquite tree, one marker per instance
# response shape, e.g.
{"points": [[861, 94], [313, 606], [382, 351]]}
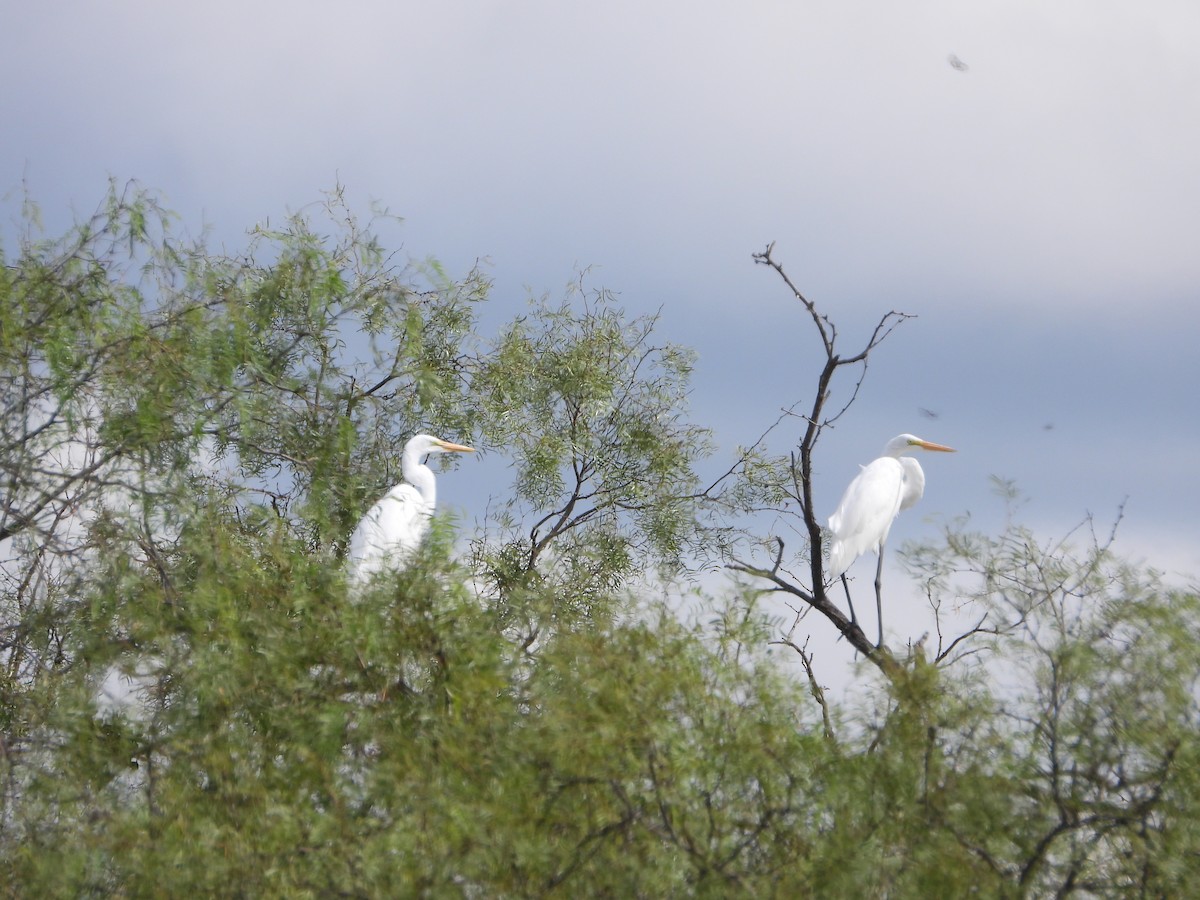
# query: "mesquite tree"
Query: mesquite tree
{"points": [[191, 702]]}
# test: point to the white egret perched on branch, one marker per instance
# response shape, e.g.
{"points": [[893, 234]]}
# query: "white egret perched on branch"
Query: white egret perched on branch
{"points": [[892, 483], [394, 527]]}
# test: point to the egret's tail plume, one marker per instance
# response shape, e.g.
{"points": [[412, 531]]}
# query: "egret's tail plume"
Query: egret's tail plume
{"points": [[839, 559]]}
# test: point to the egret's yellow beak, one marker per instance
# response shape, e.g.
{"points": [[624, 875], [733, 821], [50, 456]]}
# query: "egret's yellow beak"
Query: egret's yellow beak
{"points": [[929, 445], [459, 448]]}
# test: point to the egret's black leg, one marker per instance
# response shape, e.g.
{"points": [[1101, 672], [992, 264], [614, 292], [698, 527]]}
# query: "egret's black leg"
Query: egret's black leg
{"points": [[849, 602], [879, 594]]}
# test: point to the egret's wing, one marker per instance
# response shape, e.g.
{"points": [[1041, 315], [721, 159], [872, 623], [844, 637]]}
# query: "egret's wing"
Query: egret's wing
{"points": [[389, 532], [865, 515], [914, 482]]}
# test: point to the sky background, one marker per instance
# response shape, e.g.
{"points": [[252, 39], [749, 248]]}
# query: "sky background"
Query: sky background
{"points": [[1039, 212]]}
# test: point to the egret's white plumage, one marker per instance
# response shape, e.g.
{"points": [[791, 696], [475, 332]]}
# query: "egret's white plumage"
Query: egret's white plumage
{"points": [[394, 527], [875, 497], [892, 483]]}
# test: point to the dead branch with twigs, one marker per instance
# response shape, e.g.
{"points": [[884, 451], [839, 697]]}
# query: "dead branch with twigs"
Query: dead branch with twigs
{"points": [[795, 486]]}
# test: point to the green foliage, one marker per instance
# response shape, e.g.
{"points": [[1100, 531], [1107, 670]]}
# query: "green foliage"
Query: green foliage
{"points": [[593, 412], [189, 437], [1099, 668]]}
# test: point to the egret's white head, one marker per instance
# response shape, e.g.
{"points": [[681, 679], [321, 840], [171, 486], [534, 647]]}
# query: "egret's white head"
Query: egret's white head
{"points": [[906, 443], [427, 443]]}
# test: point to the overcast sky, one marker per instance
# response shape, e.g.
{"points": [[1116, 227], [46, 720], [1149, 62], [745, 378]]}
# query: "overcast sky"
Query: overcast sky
{"points": [[1038, 210]]}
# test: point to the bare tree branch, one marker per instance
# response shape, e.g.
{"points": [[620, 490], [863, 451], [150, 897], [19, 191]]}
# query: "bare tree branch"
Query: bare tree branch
{"points": [[801, 467]]}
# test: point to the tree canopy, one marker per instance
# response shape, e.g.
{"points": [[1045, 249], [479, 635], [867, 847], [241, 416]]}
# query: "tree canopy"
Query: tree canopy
{"points": [[551, 702]]}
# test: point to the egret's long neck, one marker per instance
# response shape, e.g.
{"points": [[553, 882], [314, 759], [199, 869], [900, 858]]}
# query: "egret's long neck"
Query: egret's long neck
{"points": [[419, 476]]}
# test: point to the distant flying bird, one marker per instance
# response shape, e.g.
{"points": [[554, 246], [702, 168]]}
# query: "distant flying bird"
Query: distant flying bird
{"points": [[394, 527], [927, 413], [957, 63], [878, 494]]}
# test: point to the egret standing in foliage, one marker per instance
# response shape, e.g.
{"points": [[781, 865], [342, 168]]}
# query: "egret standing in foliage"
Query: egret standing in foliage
{"points": [[892, 483], [394, 527]]}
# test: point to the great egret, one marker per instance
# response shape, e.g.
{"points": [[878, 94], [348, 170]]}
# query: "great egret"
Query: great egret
{"points": [[892, 483], [393, 528]]}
